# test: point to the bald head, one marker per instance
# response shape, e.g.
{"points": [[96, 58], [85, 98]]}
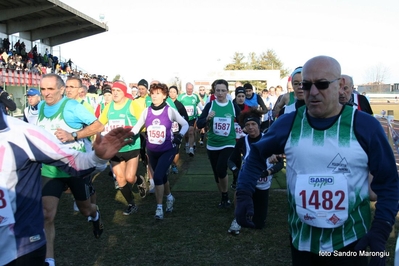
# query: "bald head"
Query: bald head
{"points": [[345, 92], [328, 66], [323, 74]]}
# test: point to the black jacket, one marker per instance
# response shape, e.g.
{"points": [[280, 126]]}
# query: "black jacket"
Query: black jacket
{"points": [[6, 103]]}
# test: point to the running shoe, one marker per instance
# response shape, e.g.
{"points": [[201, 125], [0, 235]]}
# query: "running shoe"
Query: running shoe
{"points": [[158, 214], [131, 208], [187, 147], [98, 226], [191, 152], [169, 204], [174, 169], [224, 203], [234, 228], [201, 143]]}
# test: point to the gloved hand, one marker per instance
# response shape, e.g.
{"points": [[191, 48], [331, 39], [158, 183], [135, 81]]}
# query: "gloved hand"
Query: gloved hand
{"points": [[244, 208], [177, 140], [376, 238]]}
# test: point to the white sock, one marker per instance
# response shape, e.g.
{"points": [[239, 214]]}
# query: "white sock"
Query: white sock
{"points": [[159, 206], [169, 197], [50, 261], [97, 216]]}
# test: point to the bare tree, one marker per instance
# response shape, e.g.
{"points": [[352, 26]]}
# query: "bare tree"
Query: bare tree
{"points": [[377, 74]]}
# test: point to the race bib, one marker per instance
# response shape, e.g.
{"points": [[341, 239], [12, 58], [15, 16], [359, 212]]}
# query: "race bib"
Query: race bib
{"points": [[175, 126], [239, 132], [156, 134], [112, 124], [221, 126], [322, 200], [190, 110]]}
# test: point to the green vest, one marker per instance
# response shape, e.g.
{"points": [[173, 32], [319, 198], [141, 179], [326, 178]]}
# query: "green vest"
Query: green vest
{"points": [[125, 118], [221, 128]]}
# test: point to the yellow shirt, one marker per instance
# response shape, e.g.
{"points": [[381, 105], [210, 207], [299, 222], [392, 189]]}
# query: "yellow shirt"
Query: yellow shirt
{"points": [[135, 110], [86, 105]]}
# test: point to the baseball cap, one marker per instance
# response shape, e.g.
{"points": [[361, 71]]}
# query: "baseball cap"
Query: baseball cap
{"points": [[32, 92]]}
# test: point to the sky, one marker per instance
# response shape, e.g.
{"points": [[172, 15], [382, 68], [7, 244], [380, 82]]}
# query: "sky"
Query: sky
{"points": [[158, 39]]}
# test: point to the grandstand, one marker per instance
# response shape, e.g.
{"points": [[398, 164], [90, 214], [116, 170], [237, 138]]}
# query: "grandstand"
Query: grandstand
{"points": [[41, 26]]}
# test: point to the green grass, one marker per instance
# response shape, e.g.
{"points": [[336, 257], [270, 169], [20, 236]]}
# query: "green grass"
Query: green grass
{"points": [[195, 233]]}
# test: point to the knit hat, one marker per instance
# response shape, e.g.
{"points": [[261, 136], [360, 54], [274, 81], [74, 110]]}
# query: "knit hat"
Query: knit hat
{"points": [[248, 86], [240, 90], [143, 82], [252, 118]]}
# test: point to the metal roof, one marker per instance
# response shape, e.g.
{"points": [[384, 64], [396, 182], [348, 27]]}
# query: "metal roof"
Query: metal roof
{"points": [[50, 21]]}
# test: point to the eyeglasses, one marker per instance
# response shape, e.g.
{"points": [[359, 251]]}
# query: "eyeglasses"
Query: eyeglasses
{"points": [[297, 84], [320, 85]]}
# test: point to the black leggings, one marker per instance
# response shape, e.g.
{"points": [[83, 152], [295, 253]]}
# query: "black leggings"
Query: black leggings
{"points": [[218, 161], [261, 202]]}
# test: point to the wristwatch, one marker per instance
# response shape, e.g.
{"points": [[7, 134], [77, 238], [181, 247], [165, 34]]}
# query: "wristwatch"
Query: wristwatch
{"points": [[75, 135]]}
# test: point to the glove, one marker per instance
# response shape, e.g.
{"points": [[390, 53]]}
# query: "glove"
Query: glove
{"points": [[244, 208], [376, 238], [177, 140]]}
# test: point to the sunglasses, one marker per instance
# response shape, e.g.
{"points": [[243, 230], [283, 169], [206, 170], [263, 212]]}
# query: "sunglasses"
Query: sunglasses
{"points": [[320, 85]]}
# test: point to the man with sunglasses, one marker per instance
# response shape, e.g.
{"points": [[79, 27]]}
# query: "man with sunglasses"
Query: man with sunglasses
{"points": [[347, 96], [330, 149]]}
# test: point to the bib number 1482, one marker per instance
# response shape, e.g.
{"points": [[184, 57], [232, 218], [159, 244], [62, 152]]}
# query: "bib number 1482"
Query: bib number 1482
{"points": [[325, 199]]}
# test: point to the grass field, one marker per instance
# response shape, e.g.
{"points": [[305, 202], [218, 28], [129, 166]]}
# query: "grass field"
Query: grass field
{"points": [[195, 233]]}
